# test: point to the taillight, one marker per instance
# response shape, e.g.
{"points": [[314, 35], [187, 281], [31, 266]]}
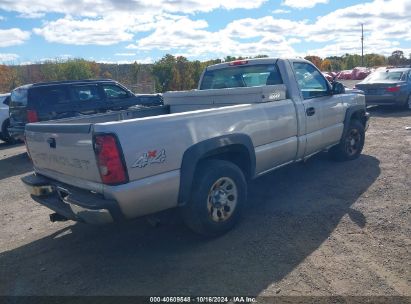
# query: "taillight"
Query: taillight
{"points": [[109, 160], [238, 62], [392, 89], [32, 116]]}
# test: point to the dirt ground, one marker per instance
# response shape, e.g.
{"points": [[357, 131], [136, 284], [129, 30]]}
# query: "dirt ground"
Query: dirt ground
{"points": [[314, 228]]}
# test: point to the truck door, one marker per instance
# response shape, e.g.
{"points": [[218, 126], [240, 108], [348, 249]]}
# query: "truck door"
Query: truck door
{"points": [[324, 111]]}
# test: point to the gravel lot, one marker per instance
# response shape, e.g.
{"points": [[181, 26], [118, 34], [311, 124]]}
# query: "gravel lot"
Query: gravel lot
{"points": [[314, 228]]}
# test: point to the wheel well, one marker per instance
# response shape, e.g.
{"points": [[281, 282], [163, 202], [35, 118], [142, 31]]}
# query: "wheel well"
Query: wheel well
{"points": [[360, 116], [3, 124], [236, 154]]}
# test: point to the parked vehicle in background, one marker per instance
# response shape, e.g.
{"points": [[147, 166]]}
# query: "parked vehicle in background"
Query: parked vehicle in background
{"points": [[328, 76], [4, 118], [198, 151], [360, 73], [388, 87], [357, 73], [345, 75], [62, 99]]}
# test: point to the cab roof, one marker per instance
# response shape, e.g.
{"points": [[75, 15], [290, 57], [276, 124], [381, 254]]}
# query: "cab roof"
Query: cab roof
{"points": [[248, 62], [65, 82]]}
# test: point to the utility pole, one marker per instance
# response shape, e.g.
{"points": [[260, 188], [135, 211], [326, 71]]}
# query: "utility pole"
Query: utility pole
{"points": [[362, 44]]}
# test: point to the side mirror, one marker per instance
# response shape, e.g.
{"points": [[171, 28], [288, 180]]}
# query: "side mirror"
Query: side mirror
{"points": [[338, 88]]}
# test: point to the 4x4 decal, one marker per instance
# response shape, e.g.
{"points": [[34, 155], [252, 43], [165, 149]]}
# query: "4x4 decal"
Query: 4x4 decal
{"points": [[150, 157]]}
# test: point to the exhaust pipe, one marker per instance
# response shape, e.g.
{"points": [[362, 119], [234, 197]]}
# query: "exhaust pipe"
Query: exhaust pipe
{"points": [[55, 217]]}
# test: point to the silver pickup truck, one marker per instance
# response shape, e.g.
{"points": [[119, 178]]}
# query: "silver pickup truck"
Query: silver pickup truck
{"points": [[197, 151]]}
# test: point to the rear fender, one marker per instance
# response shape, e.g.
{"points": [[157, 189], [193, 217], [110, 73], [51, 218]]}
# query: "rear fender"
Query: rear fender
{"points": [[208, 148]]}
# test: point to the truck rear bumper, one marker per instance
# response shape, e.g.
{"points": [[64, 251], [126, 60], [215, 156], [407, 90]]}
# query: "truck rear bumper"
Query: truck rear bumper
{"points": [[73, 203]]}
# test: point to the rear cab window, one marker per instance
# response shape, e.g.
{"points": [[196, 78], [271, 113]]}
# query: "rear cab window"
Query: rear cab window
{"points": [[241, 76], [386, 75]]}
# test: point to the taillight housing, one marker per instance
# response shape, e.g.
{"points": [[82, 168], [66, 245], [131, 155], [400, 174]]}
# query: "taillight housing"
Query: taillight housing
{"points": [[110, 159], [32, 116], [392, 89]]}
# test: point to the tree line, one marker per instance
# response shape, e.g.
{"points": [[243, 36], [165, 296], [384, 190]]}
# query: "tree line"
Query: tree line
{"points": [[170, 73]]}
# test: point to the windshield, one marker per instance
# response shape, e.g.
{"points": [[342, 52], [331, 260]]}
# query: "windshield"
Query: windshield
{"points": [[390, 75], [241, 76]]}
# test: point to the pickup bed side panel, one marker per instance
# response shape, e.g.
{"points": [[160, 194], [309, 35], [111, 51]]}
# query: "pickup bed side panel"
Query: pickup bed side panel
{"points": [[154, 146]]}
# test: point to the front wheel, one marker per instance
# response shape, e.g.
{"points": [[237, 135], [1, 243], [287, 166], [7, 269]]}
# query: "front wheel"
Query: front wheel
{"points": [[351, 144], [218, 196]]}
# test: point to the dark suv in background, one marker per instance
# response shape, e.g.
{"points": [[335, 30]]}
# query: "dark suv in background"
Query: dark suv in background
{"points": [[62, 99]]}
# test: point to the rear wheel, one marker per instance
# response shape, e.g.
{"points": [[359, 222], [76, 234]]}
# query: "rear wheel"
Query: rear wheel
{"points": [[351, 144], [5, 134], [407, 105], [218, 196]]}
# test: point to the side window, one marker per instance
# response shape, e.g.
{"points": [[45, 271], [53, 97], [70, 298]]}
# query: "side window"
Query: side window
{"points": [[19, 97], [310, 81], [86, 93], [114, 92], [47, 96]]}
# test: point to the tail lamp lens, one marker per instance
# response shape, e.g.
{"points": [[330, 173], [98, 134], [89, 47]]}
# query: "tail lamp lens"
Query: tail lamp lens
{"points": [[32, 116], [392, 89], [109, 160]]}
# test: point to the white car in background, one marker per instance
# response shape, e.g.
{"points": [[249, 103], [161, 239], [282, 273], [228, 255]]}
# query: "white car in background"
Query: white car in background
{"points": [[4, 118]]}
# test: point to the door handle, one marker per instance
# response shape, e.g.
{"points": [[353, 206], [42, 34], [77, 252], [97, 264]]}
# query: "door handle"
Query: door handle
{"points": [[310, 111]]}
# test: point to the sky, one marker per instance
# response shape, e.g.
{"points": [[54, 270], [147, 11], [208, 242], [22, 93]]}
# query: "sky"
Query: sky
{"points": [[122, 31]]}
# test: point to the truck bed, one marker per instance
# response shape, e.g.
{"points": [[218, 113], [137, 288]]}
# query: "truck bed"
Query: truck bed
{"points": [[72, 160], [184, 101]]}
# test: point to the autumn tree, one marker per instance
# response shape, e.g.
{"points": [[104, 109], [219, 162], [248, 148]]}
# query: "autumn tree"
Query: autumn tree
{"points": [[397, 58], [375, 60], [8, 79], [326, 65], [163, 71], [77, 69], [317, 61]]}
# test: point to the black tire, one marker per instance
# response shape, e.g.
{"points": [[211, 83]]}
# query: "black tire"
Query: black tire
{"points": [[407, 105], [5, 135], [206, 211], [351, 143]]}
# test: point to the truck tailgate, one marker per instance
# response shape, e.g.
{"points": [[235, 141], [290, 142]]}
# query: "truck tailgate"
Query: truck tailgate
{"points": [[63, 152]]}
